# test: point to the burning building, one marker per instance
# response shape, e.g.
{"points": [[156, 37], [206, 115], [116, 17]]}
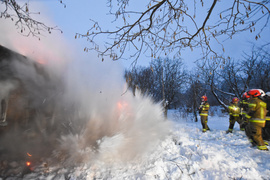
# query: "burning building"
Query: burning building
{"points": [[25, 88], [27, 96], [78, 115]]}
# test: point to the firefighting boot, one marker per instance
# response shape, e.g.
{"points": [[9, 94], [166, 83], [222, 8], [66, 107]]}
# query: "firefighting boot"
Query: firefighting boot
{"points": [[266, 143], [263, 148], [229, 131]]}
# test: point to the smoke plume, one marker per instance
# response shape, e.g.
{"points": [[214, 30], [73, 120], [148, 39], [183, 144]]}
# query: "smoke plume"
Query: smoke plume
{"points": [[80, 108]]}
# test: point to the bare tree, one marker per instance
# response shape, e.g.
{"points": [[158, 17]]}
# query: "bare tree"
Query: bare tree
{"points": [[231, 75], [192, 95], [160, 28], [256, 67], [210, 77], [163, 80], [22, 15], [170, 79], [141, 78], [169, 26], [231, 78]]}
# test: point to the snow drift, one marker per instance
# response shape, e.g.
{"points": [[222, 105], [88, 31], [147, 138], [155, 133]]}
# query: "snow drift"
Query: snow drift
{"points": [[119, 132]]}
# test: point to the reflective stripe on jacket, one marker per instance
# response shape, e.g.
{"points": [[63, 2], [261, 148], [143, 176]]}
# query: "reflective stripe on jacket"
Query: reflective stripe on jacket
{"points": [[204, 107], [234, 110], [257, 110], [243, 107]]}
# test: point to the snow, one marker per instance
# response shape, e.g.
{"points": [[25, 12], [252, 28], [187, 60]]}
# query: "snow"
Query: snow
{"points": [[185, 153]]}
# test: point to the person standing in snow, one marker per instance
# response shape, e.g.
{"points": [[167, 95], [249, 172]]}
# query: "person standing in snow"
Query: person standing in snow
{"points": [[257, 113], [244, 107], [203, 111], [266, 129], [234, 111]]}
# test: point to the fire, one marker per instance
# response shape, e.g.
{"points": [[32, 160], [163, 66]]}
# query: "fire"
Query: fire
{"points": [[28, 163], [122, 105]]}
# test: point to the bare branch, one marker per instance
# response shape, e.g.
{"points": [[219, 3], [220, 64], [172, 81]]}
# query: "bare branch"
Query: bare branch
{"points": [[22, 16], [167, 27]]}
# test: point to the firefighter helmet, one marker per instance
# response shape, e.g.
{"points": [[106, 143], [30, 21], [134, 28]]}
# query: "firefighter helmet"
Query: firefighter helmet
{"points": [[235, 100], [262, 92], [254, 92], [245, 95], [204, 98]]}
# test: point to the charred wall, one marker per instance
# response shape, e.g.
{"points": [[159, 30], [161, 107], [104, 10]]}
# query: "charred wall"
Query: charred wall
{"points": [[26, 104]]}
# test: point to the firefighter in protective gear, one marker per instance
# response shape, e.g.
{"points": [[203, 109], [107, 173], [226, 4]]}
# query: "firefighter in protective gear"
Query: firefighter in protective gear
{"points": [[266, 129], [234, 111], [244, 108], [257, 111], [203, 111]]}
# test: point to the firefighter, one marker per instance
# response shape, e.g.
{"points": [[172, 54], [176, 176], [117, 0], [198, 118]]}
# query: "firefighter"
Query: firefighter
{"points": [[203, 111], [257, 113], [266, 129], [234, 111], [244, 107]]}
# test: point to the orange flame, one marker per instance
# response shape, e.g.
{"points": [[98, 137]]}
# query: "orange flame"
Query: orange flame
{"points": [[122, 105], [29, 154], [28, 163]]}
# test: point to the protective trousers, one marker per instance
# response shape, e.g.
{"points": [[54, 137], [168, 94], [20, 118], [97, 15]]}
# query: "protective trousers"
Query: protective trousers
{"points": [[237, 119], [204, 120], [254, 132]]}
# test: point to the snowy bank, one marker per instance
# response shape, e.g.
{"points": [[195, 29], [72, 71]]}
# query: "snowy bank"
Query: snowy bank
{"points": [[186, 153]]}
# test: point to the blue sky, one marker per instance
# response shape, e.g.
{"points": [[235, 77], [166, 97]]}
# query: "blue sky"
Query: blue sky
{"points": [[75, 18]]}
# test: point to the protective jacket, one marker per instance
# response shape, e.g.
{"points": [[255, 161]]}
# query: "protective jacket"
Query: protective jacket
{"points": [[257, 113], [243, 107], [203, 109], [234, 110], [257, 110], [243, 110]]}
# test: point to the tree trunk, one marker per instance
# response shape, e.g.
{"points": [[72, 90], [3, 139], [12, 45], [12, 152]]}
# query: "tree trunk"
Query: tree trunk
{"points": [[195, 110], [164, 103]]}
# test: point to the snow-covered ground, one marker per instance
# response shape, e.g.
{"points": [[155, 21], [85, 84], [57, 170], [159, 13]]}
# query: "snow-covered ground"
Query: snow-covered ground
{"points": [[186, 153]]}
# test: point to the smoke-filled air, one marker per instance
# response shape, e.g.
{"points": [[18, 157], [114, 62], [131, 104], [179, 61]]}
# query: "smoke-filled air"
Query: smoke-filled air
{"points": [[71, 108]]}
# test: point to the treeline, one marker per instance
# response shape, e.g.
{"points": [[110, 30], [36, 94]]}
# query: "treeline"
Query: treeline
{"points": [[168, 81]]}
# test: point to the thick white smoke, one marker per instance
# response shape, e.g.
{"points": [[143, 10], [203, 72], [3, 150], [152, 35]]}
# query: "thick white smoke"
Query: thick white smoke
{"points": [[115, 124], [94, 116], [116, 129]]}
